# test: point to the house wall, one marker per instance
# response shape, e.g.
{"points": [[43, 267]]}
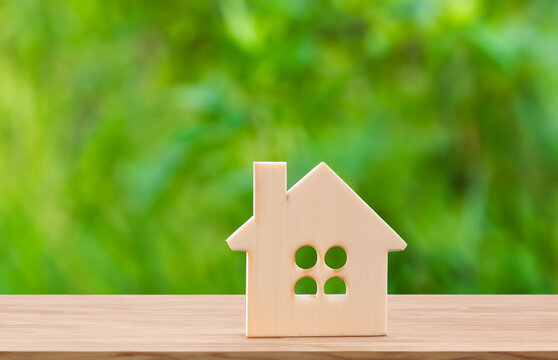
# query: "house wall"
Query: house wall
{"points": [[274, 310]]}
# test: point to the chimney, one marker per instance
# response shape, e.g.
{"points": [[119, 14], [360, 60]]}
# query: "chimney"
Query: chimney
{"points": [[270, 188]]}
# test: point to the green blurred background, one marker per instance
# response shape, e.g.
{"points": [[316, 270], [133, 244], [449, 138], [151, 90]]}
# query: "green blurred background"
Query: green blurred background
{"points": [[128, 131]]}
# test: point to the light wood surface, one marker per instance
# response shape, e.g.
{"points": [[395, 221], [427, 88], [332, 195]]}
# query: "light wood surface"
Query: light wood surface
{"points": [[320, 211], [212, 327]]}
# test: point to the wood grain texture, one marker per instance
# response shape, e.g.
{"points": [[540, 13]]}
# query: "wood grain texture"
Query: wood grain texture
{"points": [[320, 211], [212, 327]]}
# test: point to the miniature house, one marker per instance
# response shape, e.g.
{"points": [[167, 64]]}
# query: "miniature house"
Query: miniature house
{"points": [[322, 212]]}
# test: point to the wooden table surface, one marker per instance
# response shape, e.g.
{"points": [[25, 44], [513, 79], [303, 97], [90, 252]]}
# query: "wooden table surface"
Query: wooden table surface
{"points": [[212, 327]]}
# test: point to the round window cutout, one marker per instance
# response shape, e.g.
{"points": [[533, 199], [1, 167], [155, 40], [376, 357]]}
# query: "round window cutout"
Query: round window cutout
{"points": [[335, 286], [335, 257], [306, 257], [306, 286]]}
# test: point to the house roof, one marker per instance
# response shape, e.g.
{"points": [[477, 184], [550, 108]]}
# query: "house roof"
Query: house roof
{"points": [[240, 240]]}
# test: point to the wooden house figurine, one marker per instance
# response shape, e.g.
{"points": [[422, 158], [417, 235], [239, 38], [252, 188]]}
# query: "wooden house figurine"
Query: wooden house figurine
{"points": [[323, 212]]}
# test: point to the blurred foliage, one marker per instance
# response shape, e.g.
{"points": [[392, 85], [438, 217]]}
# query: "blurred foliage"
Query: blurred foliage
{"points": [[128, 128], [306, 257]]}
